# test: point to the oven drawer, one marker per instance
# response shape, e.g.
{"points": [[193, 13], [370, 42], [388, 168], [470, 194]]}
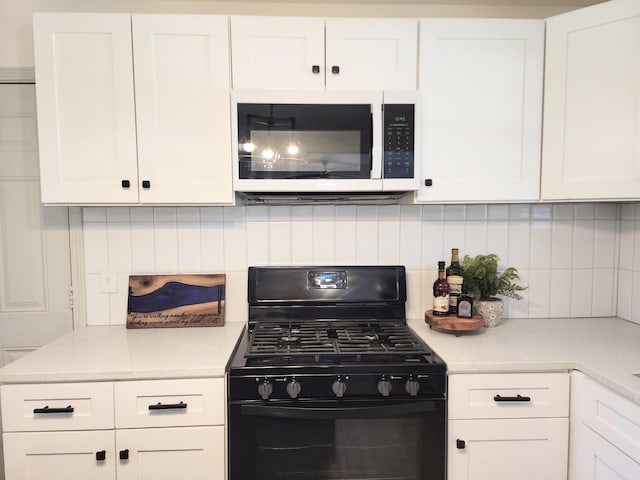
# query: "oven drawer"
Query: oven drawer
{"points": [[510, 395], [57, 406], [166, 403]]}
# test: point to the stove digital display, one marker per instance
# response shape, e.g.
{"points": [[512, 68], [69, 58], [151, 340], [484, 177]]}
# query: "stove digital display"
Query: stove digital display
{"points": [[327, 279]]}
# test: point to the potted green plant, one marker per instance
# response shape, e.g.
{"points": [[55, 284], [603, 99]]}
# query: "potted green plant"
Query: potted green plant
{"points": [[484, 282]]}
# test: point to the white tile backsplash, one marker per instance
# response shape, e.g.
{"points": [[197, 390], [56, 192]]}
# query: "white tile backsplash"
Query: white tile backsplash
{"points": [[575, 259]]}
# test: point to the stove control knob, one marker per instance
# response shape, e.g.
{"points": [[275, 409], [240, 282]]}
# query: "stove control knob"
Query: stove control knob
{"points": [[265, 389], [384, 387], [412, 386], [294, 388], [339, 387]]}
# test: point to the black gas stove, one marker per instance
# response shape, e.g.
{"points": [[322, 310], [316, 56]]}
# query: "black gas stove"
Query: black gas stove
{"points": [[329, 382], [331, 332]]}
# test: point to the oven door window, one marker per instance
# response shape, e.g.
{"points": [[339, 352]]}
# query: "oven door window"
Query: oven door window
{"points": [[290, 141], [341, 440]]}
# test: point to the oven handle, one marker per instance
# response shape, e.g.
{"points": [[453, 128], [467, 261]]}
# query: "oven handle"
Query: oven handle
{"points": [[338, 413]]}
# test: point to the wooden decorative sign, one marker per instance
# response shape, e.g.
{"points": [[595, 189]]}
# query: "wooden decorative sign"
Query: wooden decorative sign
{"points": [[189, 300]]}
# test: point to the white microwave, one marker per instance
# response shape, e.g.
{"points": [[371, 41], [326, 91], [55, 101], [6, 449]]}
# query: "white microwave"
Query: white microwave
{"points": [[325, 142]]}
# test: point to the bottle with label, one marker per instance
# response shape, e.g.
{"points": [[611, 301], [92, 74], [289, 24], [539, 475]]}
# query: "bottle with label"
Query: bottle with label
{"points": [[441, 293], [465, 303], [455, 278]]}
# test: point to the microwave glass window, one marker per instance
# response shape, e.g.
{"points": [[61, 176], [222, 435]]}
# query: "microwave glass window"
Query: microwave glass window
{"points": [[304, 141]]}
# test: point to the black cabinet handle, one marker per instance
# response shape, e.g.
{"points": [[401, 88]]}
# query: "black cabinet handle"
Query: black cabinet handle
{"points": [[146, 184], [460, 444], [46, 409], [517, 398], [335, 69], [125, 183], [315, 68], [167, 406], [101, 455], [428, 182], [124, 454]]}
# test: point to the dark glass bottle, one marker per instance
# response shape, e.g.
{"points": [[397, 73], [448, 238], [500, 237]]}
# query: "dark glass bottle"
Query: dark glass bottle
{"points": [[441, 293], [455, 277], [465, 303]]}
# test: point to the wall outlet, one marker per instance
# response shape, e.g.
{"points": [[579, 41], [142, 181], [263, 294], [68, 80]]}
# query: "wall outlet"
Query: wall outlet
{"points": [[108, 281]]}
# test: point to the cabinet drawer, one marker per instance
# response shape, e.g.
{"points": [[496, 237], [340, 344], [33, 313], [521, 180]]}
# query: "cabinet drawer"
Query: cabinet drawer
{"points": [[167, 403], [607, 413], [57, 406], [511, 395]]}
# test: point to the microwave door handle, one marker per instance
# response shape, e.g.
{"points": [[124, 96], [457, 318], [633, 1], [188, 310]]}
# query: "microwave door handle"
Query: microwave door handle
{"points": [[336, 413], [376, 148]]}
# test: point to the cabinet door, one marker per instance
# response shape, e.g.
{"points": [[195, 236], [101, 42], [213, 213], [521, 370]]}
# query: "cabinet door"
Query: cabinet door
{"points": [[277, 53], [481, 82], [594, 458], [526, 449], [86, 117], [59, 455], [187, 453], [376, 54], [183, 108], [591, 139]]}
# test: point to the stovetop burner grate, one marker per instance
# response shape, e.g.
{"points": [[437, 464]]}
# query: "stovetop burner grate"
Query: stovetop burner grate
{"points": [[332, 337]]}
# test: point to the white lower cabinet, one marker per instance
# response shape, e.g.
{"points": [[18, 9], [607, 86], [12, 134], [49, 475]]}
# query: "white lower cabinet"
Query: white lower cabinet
{"points": [[506, 426], [605, 433], [154, 429]]}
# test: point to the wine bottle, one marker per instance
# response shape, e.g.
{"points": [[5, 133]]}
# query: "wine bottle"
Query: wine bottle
{"points": [[455, 278], [441, 293]]}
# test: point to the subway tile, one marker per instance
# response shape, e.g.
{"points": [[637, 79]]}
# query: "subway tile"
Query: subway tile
{"points": [[118, 302], [280, 213], [389, 235], [305, 212], [346, 235], [475, 240], [414, 307], [626, 245], [607, 211], [581, 292], [561, 244], [628, 211], [560, 293], [635, 293], [605, 250], [302, 242], [538, 293], [519, 211], [119, 244], [189, 247], [540, 245], [234, 214], [235, 246], [432, 213], [118, 214], [498, 240], [324, 239], [603, 299], [498, 212], [410, 243], [212, 214], [98, 309], [519, 244], [257, 242], [257, 213], [188, 214], [324, 213], [212, 247], [454, 213], [165, 238], [585, 211], [625, 294], [141, 214], [542, 212], [432, 244], [454, 236], [96, 246], [410, 213], [476, 212], [583, 243], [366, 238], [279, 243], [563, 211], [165, 214], [142, 248]]}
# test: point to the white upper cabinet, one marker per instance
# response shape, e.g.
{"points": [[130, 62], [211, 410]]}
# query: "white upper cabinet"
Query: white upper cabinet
{"points": [[481, 83], [591, 140], [86, 112], [314, 53], [99, 145], [182, 84]]}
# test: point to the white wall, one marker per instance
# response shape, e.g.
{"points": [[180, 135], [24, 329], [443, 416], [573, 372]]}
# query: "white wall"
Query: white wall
{"points": [[567, 254], [16, 44]]}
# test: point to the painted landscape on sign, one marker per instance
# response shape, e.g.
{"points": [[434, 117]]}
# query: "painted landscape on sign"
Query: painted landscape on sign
{"points": [[187, 300]]}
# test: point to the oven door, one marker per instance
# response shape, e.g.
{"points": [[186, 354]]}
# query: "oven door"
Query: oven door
{"points": [[302, 141], [348, 439]]}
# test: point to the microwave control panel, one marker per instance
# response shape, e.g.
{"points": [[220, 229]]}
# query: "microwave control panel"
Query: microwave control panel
{"points": [[399, 134]]}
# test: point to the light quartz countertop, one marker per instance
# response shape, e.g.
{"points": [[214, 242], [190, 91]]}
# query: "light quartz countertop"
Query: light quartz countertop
{"points": [[101, 353], [605, 349]]}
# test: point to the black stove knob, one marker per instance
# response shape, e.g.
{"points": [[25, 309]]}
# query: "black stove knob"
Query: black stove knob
{"points": [[294, 388], [384, 387], [412, 386], [265, 389], [339, 387]]}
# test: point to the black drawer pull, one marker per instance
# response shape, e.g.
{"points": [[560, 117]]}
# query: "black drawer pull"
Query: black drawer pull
{"points": [[460, 444], [315, 68], [335, 69], [46, 409], [146, 184], [517, 398], [167, 406], [101, 455], [124, 454], [125, 183]]}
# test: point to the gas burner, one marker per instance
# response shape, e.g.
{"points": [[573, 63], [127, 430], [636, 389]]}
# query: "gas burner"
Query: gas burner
{"points": [[290, 339]]}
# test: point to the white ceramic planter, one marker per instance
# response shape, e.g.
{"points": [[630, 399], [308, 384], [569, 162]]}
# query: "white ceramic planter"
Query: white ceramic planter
{"points": [[491, 311]]}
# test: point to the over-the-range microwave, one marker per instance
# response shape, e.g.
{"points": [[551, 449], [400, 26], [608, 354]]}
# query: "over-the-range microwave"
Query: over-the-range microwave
{"points": [[325, 142]]}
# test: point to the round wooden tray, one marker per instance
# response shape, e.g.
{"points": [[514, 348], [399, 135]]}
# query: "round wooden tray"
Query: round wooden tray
{"points": [[452, 323]]}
